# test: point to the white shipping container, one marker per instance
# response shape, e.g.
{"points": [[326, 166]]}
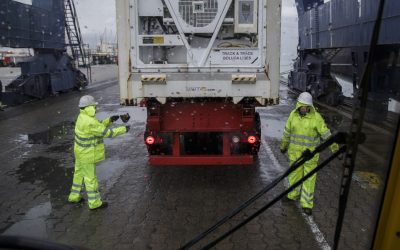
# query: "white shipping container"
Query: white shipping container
{"points": [[199, 48]]}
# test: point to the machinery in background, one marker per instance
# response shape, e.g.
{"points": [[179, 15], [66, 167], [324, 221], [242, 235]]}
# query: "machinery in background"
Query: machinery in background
{"points": [[200, 67], [12, 60], [42, 26], [105, 53], [334, 38]]}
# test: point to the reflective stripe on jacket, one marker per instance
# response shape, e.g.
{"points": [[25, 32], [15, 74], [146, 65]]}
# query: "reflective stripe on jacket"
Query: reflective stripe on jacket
{"points": [[89, 134], [304, 132]]}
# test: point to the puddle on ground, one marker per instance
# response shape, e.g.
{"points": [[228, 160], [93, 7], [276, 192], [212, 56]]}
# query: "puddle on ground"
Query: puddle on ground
{"points": [[367, 179], [66, 147], [54, 175], [22, 139], [58, 131], [33, 224]]}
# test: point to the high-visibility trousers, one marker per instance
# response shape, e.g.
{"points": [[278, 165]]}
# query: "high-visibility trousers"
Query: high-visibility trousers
{"points": [[85, 173], [304, 192]]}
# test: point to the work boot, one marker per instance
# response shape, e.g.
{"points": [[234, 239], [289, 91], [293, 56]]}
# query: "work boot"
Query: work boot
{"points": [[307, 211], [77, 202], [103, 205]]}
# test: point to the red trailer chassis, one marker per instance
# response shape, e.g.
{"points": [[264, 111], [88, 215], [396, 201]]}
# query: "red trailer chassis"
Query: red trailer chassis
{"points": [[202, 132]]}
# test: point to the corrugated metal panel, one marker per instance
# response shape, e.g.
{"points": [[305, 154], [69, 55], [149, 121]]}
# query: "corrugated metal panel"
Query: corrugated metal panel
{"points": [[36, 30], [343, 15], [389, 31], [57, 36], [351, 25], [47, 5], [336, 13], [391, 23], [369, 9], [17, 22], [40, 25], [308, 30], [303, 30], [392, 8], [324, 19], [313, 28]]}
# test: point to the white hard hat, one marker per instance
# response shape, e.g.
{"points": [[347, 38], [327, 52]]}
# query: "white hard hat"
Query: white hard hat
{"points": [[87, 100], [305, 98]]}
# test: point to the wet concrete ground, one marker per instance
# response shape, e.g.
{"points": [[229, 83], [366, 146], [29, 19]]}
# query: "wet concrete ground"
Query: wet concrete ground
{"points": [[163, 207]]}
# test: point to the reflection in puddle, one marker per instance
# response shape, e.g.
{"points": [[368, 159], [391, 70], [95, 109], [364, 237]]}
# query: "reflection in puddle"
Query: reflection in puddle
{"points": [[58, 131], [66, 147], [51, 173], [367, 179], [22, 138], [33, 224]]}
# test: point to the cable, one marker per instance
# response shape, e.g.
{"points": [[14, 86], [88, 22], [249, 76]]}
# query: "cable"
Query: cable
{"points": [[306, 155], [232, 45], [276, 199]]}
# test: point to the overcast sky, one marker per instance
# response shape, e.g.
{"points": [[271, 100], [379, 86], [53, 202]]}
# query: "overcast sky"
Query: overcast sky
{"points": [[289, 34], [97, 19]]}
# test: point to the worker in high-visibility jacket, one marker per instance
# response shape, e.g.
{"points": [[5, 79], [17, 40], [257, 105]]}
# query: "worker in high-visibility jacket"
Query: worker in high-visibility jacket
{"points": [[304, 129], [89, 150]]}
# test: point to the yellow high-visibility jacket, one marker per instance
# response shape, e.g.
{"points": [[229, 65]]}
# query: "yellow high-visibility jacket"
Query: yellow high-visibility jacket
{"points": [[89, 134], [304, 132]]}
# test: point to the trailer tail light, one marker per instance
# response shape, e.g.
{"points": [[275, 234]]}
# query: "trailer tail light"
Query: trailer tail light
{"points": [[150, 140], [251, 139]]}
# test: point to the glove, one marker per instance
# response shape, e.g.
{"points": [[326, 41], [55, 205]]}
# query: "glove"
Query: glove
{"points": [[125, 118], [114, 118], [334, 148], [283, 150], [127, 128]]}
